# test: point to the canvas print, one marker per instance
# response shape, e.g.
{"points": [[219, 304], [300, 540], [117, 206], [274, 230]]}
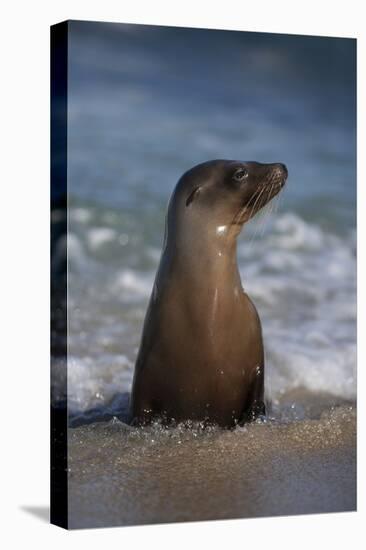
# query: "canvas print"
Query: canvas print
{"points": [[203, 274]]}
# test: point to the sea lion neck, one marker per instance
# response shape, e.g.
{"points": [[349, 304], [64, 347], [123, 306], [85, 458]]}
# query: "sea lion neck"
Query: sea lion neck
{"points": [[211, 254]]}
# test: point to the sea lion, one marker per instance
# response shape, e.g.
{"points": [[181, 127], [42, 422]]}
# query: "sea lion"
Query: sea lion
{"points": [[201, 353]]}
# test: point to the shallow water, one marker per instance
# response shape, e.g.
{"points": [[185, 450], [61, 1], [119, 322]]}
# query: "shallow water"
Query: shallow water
{"points": [[120, 475]]}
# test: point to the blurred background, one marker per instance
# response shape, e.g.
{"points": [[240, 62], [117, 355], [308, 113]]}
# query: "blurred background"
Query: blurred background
{"points": [[147, 103]]}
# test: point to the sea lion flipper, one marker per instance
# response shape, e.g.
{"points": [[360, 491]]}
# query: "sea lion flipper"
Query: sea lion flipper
{"points": [[255, 406]]}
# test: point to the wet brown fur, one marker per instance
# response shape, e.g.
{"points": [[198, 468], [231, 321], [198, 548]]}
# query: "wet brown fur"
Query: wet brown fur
{"points": [[201, 355]]}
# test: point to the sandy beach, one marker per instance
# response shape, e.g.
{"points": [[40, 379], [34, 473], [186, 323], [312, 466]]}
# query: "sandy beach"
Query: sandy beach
{"points": [[120, 475]]}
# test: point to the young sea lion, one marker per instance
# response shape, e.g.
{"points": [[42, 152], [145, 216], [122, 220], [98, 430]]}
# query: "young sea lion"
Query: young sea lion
{"points": [[201, 354]]}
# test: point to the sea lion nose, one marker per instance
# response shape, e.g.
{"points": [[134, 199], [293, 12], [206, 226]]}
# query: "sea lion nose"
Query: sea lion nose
{"points": [[282, 169]]}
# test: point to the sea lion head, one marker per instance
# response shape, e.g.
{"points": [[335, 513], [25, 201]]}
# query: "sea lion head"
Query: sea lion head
{"points": [[225, 193]]}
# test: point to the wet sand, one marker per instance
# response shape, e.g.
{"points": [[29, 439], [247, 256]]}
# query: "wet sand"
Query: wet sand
{"points": [[120, 475]]}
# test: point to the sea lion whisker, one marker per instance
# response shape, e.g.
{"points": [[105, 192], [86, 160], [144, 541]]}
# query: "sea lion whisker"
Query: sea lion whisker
{"points": [[261, 193], [243, 209], [268, 213], [276, 203], [259, 223]]}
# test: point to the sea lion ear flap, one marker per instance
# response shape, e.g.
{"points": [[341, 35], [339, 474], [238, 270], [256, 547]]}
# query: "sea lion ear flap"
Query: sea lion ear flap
{"points": [[192, 195]]}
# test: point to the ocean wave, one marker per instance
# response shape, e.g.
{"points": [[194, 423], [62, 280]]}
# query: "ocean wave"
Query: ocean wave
{"points": [[133, 282], [303, 281], [99, 236], [96, 382], [301, 277]]}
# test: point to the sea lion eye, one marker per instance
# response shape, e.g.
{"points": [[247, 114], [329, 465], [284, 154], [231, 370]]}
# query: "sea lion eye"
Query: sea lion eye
{"points": [[240, 174]]}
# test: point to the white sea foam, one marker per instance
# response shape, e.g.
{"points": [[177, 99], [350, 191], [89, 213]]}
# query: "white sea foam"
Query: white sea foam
{"points": [[135, 283], [98, 236], [303, 283], [290, 232], [94, 382], [80, 215]]}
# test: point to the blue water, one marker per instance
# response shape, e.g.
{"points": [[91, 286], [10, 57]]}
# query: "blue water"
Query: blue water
{"points": [[147, 103]]}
